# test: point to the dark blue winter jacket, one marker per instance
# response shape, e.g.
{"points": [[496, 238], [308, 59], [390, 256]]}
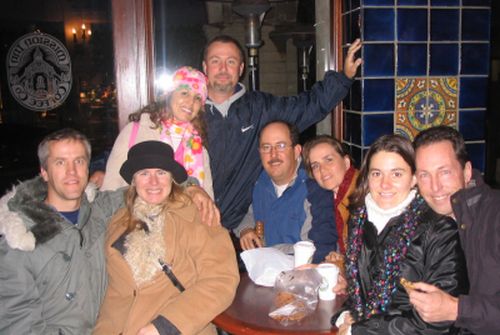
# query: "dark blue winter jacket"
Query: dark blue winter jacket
{"points": [[233, 139]]}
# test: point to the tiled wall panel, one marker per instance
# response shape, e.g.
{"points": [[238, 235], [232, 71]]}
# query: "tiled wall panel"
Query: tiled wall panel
{"points": [[425, 64]]}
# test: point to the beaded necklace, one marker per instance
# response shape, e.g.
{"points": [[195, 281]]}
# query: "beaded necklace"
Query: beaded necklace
{"points": [[399, 239]]}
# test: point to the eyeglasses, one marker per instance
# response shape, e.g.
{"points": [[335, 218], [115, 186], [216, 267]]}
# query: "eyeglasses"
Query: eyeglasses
{"points": [[279, 147]]}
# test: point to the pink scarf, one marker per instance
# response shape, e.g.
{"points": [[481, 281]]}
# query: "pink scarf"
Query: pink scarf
{"points": [[189, 153]]}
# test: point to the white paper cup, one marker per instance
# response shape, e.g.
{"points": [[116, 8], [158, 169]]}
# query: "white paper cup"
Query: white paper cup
{"points": [[303, 252], [329, 273]]}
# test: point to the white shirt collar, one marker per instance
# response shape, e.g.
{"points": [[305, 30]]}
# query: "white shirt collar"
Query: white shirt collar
{"points": [[379, 216], [280, 189]]}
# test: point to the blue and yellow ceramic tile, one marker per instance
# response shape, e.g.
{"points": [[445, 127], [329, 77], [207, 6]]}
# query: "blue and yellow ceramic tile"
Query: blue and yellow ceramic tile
{"points": [[443, 91], [409, 91], [422, 103]]}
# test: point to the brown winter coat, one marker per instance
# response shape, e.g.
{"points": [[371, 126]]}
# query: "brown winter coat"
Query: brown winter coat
{"points": [[202, 258]]}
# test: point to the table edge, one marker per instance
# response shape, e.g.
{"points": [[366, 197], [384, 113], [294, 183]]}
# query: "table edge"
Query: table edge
{"points": [[238, 327]]}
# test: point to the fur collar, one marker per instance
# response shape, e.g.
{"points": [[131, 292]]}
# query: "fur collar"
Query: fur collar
{"points": [[12, 227], [144, 247], [25, 219]]}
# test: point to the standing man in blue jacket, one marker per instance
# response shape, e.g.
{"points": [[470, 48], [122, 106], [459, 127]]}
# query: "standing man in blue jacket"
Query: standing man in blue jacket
{"points": [[235, 117], [451, 187], [292, 206]]}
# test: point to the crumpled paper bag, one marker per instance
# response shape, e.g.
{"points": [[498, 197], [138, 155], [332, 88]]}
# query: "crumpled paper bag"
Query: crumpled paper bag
{"points": [[265, 264]]}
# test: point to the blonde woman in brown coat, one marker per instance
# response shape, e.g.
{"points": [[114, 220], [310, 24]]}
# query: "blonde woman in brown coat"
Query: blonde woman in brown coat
{"points": [[168, 274]]}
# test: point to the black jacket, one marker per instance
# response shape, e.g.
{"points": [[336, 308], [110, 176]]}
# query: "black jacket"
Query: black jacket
{"points": [[233, 140], [476, 209], [434, 256]]}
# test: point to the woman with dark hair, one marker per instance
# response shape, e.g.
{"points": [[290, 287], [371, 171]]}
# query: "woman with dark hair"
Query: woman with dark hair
{"points": [[176, 119], [395, 238], [329, 163], [168, 274]]}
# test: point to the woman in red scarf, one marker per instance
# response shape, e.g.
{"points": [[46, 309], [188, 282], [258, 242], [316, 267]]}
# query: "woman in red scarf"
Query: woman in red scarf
{"points": [[330, 165]]}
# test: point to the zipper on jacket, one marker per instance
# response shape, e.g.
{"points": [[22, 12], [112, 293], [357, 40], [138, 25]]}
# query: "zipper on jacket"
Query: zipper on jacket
{"points": [[167, 269]]}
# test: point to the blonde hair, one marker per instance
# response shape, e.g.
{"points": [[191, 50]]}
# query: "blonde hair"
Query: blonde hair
{"points": [[176, 199]]}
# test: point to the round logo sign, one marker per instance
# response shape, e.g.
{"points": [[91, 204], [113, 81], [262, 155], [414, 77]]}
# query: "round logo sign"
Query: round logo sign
{"points": [[39, 71]]}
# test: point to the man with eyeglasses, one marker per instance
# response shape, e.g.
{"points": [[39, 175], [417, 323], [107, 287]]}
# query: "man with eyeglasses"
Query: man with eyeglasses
{"points": [[235, 116], [292, 206]]}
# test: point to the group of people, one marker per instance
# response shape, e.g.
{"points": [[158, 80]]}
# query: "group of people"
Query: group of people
{"points": [[146, 254], [133, 261], [150, 252], [395, 236], [414, 212], [300, 195], [290, 205], [443, 236]]}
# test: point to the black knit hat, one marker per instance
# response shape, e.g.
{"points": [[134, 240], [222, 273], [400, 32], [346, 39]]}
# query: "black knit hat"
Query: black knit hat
{"points": [[152, 155]]}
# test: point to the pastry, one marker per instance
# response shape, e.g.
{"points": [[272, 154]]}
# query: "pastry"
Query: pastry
{"points": [[408, 285]]}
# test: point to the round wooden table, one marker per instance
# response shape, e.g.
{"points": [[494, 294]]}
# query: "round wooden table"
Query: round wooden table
{"points": [[248, 314]]}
